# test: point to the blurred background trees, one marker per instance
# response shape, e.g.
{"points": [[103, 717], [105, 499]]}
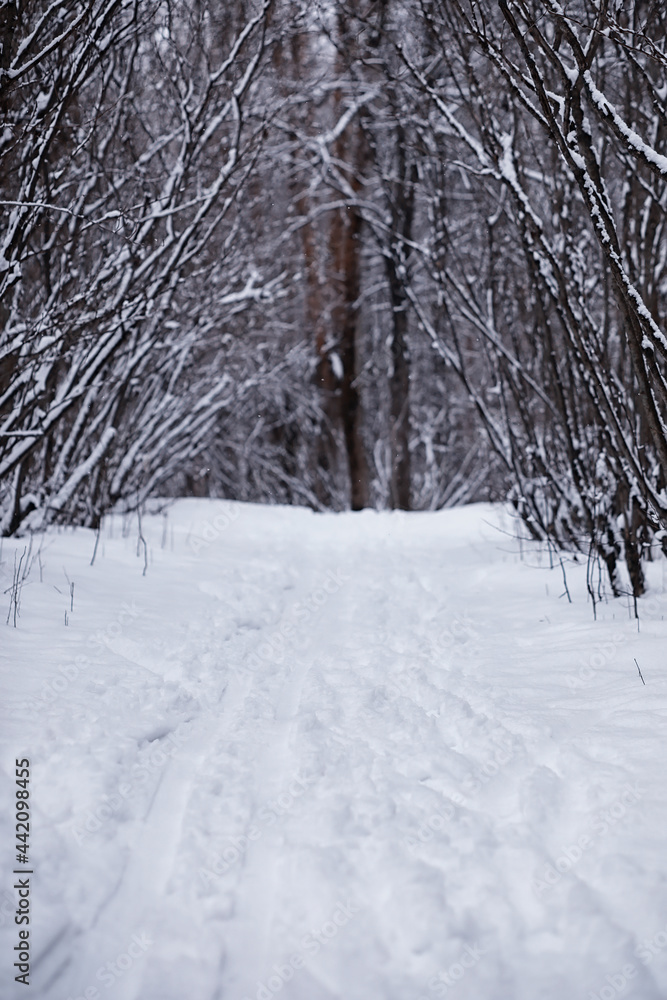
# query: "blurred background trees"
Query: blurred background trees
{"points": [[396, 253]]}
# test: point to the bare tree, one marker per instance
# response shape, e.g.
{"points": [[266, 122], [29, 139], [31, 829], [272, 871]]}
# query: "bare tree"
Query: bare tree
{"points": [[130, 131]]}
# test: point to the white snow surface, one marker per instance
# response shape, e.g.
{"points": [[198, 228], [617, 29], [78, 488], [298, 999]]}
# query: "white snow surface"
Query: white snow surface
{"points": [[369, 756]]}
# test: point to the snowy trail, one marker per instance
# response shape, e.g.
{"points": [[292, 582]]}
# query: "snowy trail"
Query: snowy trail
{"points": [[358, 757], [273, 770]]}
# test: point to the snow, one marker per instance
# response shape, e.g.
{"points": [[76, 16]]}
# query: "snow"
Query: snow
{"points": [[372, 756], [84, 469], [336, 365], [633, 139]]}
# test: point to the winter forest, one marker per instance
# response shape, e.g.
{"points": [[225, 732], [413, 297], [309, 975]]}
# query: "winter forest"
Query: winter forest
{"points": [[388, 254], [333, 499]]}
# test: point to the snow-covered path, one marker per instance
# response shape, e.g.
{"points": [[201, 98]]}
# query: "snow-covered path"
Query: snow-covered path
{"points": [[341, 757]]}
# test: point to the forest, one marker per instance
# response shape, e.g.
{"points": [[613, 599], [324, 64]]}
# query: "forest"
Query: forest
{"points": [[397, 254]]}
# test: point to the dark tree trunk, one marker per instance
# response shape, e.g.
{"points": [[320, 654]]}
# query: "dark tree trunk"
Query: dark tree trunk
{"points": [[399, 382], [344, 318]]}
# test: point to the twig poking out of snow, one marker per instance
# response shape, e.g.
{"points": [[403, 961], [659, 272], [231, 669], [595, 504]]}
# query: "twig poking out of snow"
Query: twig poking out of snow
{"points": [[564, 579], [15, 589], [141, 541]]}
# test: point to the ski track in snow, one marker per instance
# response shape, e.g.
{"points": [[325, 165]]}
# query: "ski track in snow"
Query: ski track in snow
{"points": [[365, 757]]}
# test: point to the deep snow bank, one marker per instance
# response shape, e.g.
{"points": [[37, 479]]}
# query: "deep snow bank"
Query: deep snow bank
{"points": [[363, 756]]}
